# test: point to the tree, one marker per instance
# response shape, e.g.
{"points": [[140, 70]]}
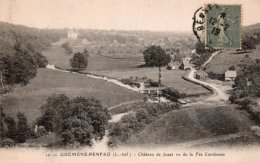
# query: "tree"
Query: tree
{"points": [[77, 121], [247, 44], [23, 130], [200, 48], [11, 128], [85, 53], [51, 112], [156, 56], [2, 129], [79, 62]]}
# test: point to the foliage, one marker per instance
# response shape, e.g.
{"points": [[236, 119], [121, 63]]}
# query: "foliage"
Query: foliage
{"points": [[130, 82], [247, 44], [20, 66], [156, 56], [172, 94], [247, 83], [79, 62], [78, 120], [67, 48], [11, 128], [23, 130], [7, 143], [85, 53], [233, 67]]}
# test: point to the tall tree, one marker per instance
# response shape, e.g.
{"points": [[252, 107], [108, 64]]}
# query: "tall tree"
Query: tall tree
{"points": [[23, 130], [156, 56], [11, 128]]}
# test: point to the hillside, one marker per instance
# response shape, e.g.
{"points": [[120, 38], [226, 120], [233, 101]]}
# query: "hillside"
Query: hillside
{"points": [[39, 38]]}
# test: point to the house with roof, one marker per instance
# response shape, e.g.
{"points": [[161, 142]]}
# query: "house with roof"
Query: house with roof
{"points": [[186, 62], [230, 75]]}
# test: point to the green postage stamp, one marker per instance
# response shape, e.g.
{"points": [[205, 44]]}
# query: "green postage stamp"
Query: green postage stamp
{"points": [[223, 27]]}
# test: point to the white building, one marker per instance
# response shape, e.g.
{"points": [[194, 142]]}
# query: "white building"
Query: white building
{"points": [[230, 75], [72, 34]]}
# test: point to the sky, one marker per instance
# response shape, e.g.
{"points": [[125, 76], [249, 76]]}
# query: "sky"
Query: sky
{"points": [[154, 15]]}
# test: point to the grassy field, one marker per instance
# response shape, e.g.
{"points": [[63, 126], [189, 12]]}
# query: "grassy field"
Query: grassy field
{"points": [[169, 78], [227, 58], [192, 124], [123, 68], [29, 98], [57, 56]]}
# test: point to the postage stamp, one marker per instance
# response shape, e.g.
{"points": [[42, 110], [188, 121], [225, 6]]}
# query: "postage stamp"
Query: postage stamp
{"points": [[223, 26]]}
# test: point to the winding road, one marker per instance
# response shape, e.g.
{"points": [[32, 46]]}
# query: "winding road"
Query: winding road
{"points": [[219, 92]]}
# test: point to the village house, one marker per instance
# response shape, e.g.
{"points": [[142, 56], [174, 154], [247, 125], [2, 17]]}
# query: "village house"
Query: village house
{"points": [[186, 62], [230, 75]]}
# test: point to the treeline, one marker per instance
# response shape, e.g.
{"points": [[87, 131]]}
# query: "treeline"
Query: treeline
{"points": [[40, 39]]}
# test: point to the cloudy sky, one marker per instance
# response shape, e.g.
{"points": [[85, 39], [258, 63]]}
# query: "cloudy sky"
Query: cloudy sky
{"points": [[159, 15]]}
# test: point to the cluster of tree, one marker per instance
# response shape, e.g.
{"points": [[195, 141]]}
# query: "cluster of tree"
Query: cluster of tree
{"points": [[132, 123], [79, 61], [172, 94], [67, 48], [21, 65], [247, 82], [77, 121], [13, 132], [156, 56]]}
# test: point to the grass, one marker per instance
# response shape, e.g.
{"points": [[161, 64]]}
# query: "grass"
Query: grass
{"points": [[220, 63], [169, 78], [123, 68], [192, 124], [57, 56], [29, 98]]}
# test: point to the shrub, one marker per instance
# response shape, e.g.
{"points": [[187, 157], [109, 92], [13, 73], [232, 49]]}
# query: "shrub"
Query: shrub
{"points": [[172, 94], [130, 82], [7, 143]]}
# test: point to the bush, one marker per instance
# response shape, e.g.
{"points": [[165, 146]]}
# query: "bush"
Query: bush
{"points": [[130, 82], [7, 143], [172, 94], [233, 67], [153, 83]]}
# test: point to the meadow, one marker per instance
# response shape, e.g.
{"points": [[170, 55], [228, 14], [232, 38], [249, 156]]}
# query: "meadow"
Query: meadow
{"points": [[29, 98], [169, 78], [123, 68]]}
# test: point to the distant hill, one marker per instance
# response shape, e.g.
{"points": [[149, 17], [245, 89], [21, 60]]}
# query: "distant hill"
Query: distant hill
{"points": [[39, 38]]}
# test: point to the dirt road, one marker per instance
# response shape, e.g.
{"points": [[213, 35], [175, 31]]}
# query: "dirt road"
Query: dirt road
{"points": [[219, 91]]}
